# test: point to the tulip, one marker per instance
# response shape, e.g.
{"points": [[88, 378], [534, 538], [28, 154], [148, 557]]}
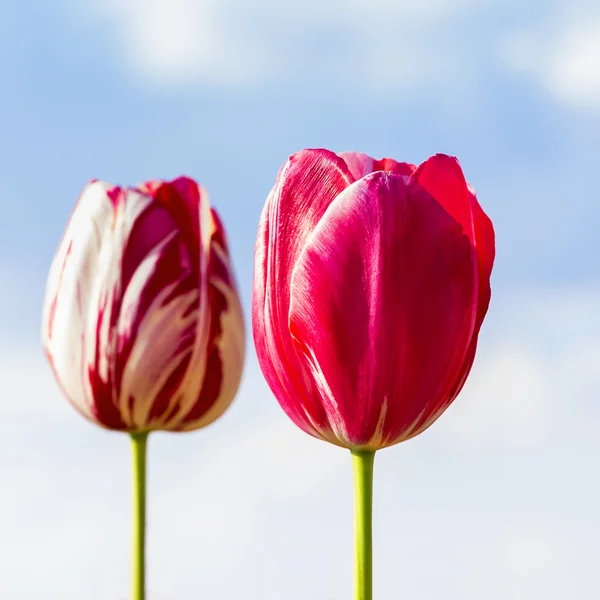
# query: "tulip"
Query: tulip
{"points": [[142, 322], [372, 279]]}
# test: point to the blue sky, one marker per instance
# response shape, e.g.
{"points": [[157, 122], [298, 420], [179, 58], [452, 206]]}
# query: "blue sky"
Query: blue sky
{"points": [[499, 498]]}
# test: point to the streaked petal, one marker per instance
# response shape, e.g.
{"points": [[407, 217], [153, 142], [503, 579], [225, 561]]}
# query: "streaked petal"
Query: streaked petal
{"points": [[125, 359], [188, 205], [383, 308], [226, 343], [83, 297], [157, 334]]}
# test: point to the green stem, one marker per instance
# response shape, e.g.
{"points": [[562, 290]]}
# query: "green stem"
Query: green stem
{"points": [[138, 590], [362, 466]]}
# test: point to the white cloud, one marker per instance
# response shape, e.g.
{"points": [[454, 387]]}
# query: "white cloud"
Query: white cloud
{"points": [[435, 48], [28, 384], [384, 44], [175, 41], [507, 401], [535, 373], [575, 71], [562, 52], [487, 503]]}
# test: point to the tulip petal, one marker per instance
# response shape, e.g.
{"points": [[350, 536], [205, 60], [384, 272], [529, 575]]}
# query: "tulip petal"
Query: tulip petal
{"points": [[188, 205], [485, 241], [395, 280], [226, 339], [82, 290], [305, 187], [361, 164], [442, 177]]}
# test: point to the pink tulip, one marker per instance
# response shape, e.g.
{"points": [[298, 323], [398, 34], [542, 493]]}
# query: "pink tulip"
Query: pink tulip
{"points": [[142, 321], [372, 279]]}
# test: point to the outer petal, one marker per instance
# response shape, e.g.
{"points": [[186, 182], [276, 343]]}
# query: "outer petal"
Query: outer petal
{"points": [[225, 345], [83, 298], [188, 206], [394, 276], [63, 323], [305, 187], [485, 242], [442, 177], [362, 164]]}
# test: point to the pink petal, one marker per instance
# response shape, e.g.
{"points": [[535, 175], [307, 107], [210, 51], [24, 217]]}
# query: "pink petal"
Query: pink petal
{"points": [[362, 164], [442, 177], [305, 187], [383, 309], [485, 243]]}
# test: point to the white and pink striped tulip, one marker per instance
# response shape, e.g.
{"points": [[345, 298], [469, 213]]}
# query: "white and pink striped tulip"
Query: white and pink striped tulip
{"points": [[142, 322]]}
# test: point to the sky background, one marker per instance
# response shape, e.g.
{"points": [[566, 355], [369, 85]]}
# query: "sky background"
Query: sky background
{"points": [[499, 499]]}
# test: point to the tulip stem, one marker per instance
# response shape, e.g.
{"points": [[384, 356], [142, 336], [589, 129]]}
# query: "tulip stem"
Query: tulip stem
{"points": [[362, 466], [138, 590]]}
